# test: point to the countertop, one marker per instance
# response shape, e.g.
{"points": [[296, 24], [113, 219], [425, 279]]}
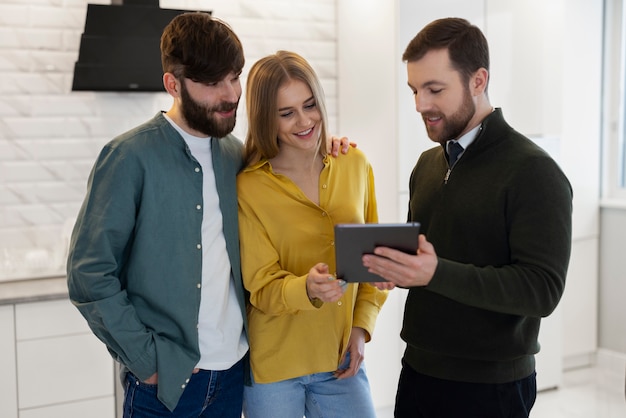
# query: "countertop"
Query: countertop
{"points": [[33, 290]]}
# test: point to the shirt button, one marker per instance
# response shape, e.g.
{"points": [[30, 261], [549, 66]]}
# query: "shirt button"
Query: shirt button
{"points": [[182, 386], [332, 243], [198, 207], [339, 303], [198, 246], [324, 186], [199, 285], [197, 170], [187, 381], [323, 213]]}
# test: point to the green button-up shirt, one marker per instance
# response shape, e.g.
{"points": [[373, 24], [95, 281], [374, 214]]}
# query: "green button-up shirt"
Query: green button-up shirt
{"points": [[135, 261]]}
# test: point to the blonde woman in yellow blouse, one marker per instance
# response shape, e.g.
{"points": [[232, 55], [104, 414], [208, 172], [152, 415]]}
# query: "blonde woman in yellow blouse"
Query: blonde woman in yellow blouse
{"points": [[307, 330]]}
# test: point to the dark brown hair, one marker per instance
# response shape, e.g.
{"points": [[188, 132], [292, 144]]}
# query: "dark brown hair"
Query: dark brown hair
{"points": [[200, 47], [467, 46]]}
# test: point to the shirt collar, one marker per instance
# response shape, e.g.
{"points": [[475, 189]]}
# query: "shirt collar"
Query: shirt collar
{"points": [[468, 138]]}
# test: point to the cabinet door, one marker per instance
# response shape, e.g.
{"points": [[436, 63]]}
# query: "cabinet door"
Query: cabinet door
{"points": [[96, 408], [580, 300], [549, 360], [58, 359], [8, 394], [62, 369], [48, 319]]}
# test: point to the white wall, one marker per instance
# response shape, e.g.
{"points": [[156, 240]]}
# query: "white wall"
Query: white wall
{"points": [[366, 90], [367, 109]]}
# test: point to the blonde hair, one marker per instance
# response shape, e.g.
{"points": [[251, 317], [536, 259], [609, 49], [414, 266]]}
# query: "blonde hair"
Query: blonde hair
{"points": [[265, 78]]}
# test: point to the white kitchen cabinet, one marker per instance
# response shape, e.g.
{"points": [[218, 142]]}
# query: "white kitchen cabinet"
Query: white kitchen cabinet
{"points": [[580, 301], [8, 394], [549, 360], [96, 408], [48, 319], [63, 370]]}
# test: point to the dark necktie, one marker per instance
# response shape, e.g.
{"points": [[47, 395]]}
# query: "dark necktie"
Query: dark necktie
{"points": [[454, 149]]}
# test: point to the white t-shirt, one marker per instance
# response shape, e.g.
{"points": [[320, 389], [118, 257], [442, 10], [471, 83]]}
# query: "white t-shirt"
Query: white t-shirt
{"points": [[220, 325]]}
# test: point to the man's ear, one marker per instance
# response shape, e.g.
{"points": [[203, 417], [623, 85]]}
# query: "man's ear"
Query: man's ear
{"points": [[478, 83], [171, 84]]}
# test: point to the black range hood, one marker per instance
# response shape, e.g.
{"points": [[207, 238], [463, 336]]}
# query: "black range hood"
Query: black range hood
{"points": [[119, 49]]}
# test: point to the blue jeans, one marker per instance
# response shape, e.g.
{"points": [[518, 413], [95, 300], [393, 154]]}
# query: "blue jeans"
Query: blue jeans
{"points": [[208, 394], [314, 396]]}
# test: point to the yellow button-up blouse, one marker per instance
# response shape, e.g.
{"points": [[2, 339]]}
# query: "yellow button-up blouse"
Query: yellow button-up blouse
{"points": [[283, 234]]}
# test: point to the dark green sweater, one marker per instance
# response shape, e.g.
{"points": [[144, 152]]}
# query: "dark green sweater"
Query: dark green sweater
{"points": [[501, 227]]}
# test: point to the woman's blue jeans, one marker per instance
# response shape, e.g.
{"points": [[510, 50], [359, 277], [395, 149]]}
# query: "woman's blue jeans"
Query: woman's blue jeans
{"points": [[314, 396]]}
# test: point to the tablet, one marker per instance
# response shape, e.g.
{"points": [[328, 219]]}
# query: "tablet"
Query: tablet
{"points": [[354, 240]]}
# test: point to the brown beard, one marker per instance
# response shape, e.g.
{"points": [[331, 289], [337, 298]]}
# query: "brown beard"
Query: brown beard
{"points": [[456, 123], [202, 118]]}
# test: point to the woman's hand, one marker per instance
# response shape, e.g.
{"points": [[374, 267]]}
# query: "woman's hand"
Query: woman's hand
{"points": [[322, 285], [356, 349]]}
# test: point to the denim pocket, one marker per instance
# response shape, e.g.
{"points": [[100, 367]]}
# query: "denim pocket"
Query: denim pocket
{"points": [[140, 399]]}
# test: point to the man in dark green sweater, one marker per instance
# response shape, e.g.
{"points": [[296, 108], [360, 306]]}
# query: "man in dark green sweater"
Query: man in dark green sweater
{"points": [[492, 261]]}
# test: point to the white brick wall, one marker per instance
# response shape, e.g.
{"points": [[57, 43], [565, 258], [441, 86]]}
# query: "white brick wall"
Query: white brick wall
{"points": [[50, 136]]}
